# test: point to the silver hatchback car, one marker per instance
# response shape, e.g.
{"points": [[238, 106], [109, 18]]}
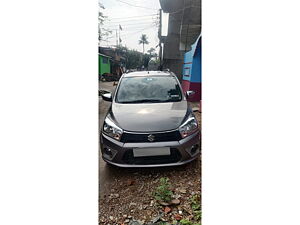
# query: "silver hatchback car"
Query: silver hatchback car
{"points": [[149, 123]]}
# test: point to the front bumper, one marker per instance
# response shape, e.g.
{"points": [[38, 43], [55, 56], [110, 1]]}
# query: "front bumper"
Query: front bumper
{"points": [[120, 154]]}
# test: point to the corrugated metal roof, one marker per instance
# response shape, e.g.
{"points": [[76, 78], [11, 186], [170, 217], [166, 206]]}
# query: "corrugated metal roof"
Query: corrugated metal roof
{"points": [[104, 55]]}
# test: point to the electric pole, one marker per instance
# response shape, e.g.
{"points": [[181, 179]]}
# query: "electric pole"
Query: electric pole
{"points": [[119, 36], [116, 38], [160, 37]]}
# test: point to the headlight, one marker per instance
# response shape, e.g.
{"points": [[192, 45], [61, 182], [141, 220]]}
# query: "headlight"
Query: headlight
{"points": [[111, 129], [189, 126]]}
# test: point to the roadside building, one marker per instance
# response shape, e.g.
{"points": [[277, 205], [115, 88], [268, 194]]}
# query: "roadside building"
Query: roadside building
{"points": [[184, 28], [104, 64], [117, 62], [182, 45], [191, 80]]}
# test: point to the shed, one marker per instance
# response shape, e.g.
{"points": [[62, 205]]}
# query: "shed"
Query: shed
{"points": [[104, 64]]}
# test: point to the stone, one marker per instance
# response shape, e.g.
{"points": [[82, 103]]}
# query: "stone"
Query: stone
{"points": [[135, 222], [178, 217], [132, 204], [175, 202], [114, 196], [163, 219], [156, 218], [167, 210], [183, 191], [164, 203], [130, 182]]}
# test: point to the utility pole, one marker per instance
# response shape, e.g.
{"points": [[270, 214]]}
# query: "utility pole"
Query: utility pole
{"points": [[116, 38], [120, 40], [160, 37]]}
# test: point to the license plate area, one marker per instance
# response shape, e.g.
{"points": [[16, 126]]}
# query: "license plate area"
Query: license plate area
{"points": [[142, 152]]}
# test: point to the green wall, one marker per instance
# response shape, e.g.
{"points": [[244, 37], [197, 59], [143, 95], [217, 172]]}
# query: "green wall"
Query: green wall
{"points": [[104, 67]]}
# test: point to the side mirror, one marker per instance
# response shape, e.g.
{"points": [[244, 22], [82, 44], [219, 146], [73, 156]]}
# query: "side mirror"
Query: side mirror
{"points": [[107, 97], [189, 93]]}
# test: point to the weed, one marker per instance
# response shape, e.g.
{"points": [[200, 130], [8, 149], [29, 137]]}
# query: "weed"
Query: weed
{"points": [[163, 191], [195, 203], [187, 222]]}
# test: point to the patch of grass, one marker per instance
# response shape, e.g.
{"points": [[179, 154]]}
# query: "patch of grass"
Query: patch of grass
{"points": [[187, 222], [163, 191], [195, 203]]}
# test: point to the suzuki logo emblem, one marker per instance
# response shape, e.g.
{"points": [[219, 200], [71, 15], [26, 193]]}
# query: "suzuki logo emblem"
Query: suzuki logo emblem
{"points": [[151, 137]]}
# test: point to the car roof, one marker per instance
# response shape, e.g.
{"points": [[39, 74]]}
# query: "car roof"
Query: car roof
{"points": [[147, 73]]}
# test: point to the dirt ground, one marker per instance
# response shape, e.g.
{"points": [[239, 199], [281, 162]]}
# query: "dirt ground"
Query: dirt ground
{"points": [[131, 196]]}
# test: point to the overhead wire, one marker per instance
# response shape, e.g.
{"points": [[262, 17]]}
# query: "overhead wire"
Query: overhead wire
{"points": [[132, 22], [146, 28], [129, 24], [132, 28], [130, 17], [124, 27], [135, 5]]}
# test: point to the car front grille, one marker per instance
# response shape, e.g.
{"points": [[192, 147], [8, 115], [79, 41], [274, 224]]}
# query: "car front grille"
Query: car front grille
{"points": [[174, 157], [158, 137]]}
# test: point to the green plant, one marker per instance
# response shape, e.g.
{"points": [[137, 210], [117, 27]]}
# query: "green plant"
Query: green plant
{"points": [[143, 40], [187, 222], [197, 214], [163, 191], [195, 203]]}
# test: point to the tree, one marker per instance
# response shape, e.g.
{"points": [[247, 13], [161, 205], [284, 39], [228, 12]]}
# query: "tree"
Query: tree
{"points": [[133, 58], [151, 51], [146, 60], [143, 40], [102, 32]]}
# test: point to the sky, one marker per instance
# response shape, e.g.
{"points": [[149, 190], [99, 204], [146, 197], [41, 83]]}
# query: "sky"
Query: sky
{"points": [[134, 21]]}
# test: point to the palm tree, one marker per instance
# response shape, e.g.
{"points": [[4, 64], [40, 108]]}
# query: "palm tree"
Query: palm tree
{"points": [[143, 40], [151, 51]]}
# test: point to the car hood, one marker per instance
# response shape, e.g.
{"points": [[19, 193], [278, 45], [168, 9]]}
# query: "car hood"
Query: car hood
{"points": [[149, 117]]}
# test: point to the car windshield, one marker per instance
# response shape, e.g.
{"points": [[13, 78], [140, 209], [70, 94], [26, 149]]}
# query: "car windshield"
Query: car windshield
{"points": [[148, 89]]}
